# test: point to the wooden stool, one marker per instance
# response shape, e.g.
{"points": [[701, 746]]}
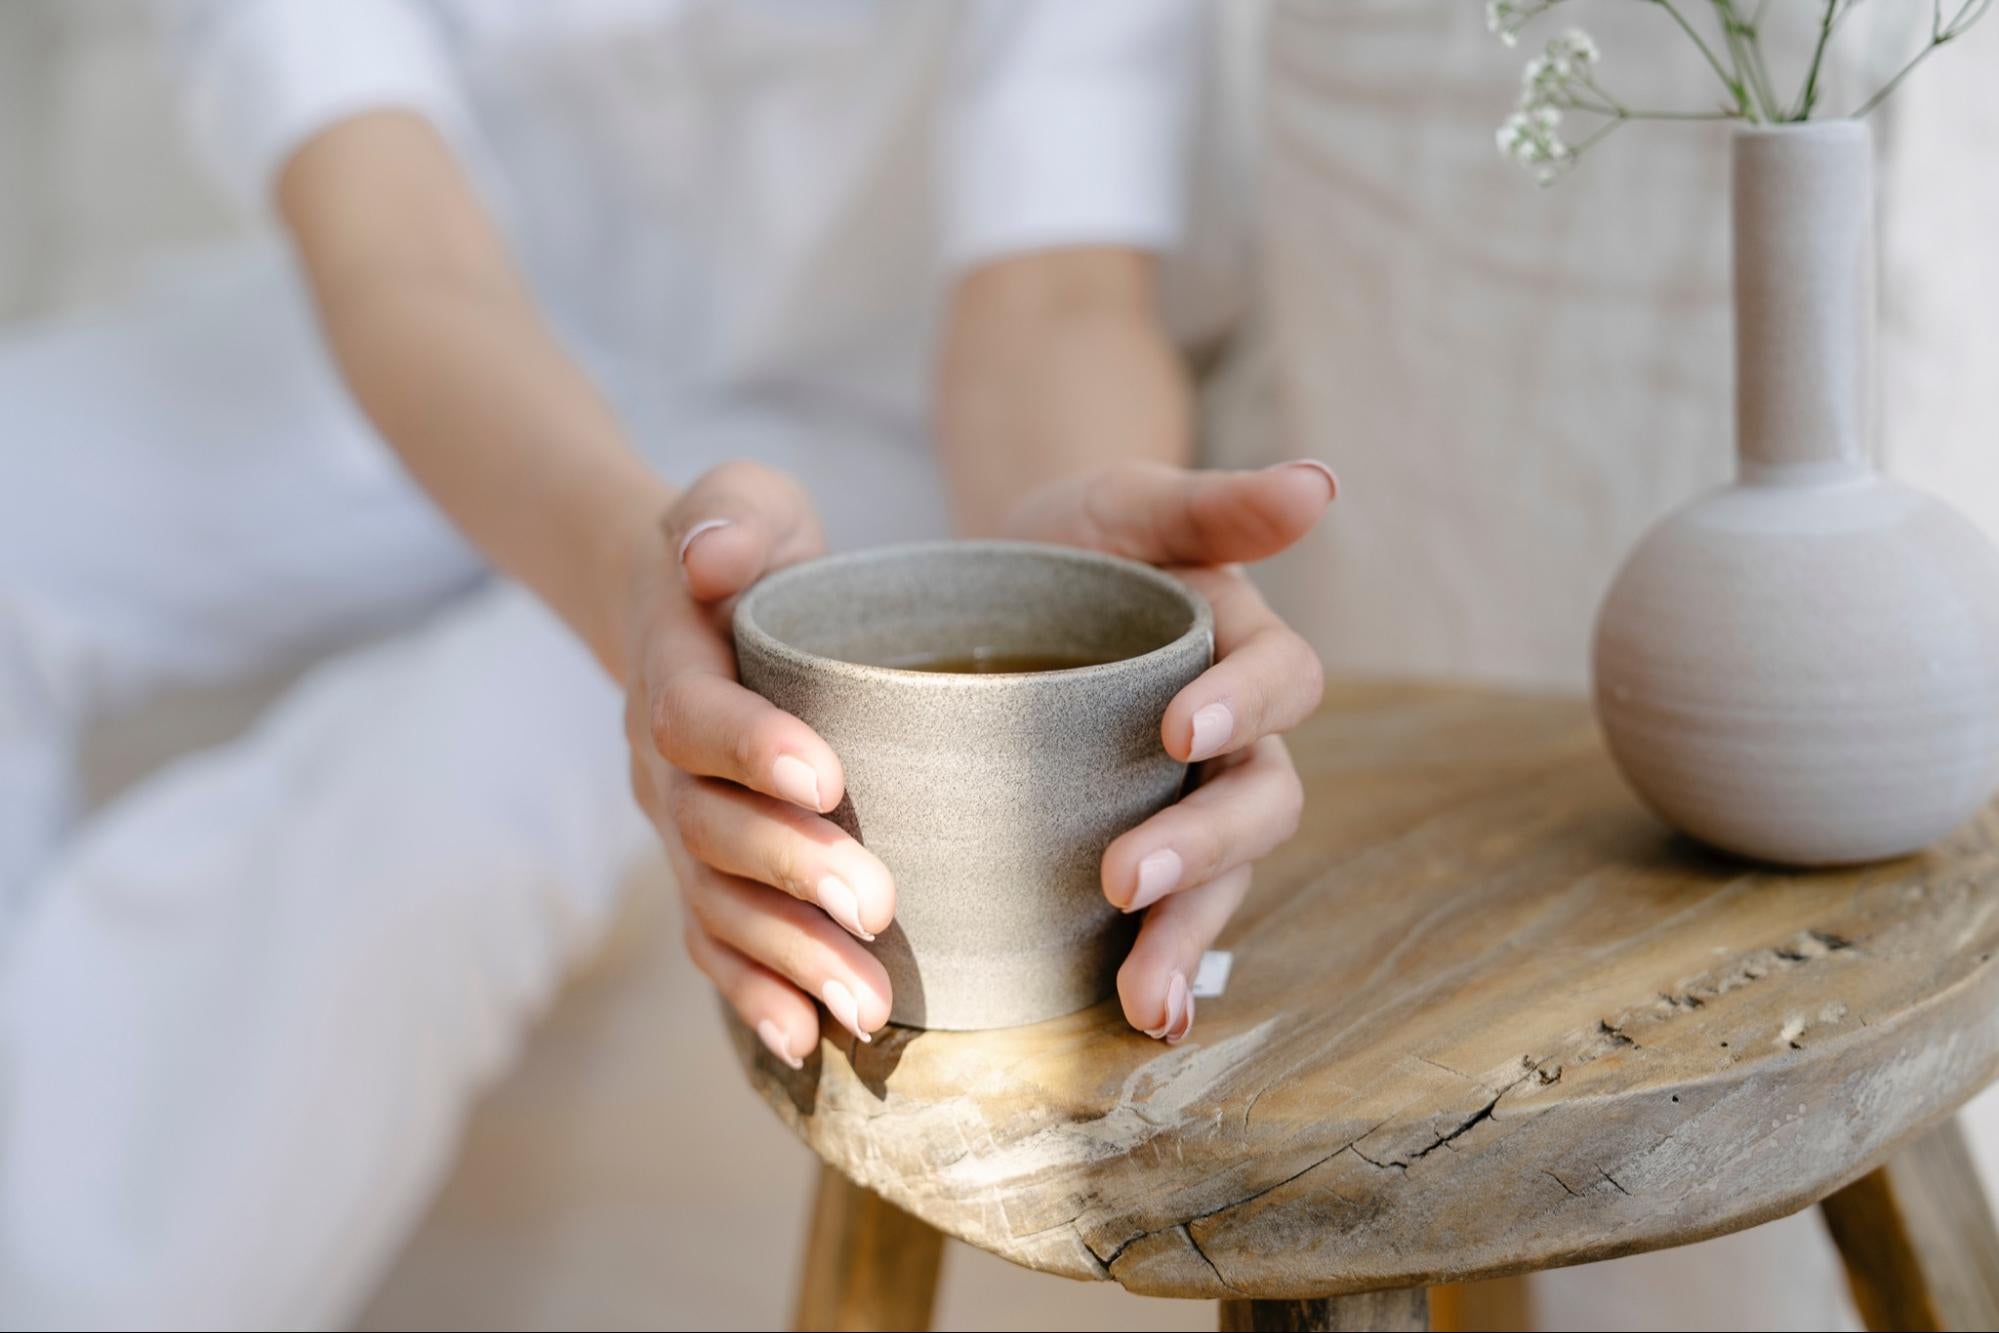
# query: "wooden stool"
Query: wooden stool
{"points": [[1487, 1017]]}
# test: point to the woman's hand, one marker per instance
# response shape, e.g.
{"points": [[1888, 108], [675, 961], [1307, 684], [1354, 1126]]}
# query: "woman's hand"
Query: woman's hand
{"points": [[1188, 866], [775, 898]]}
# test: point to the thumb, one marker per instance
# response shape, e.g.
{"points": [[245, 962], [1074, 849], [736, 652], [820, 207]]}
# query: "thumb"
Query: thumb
{"points": [[1178, 516], [737, 523]]}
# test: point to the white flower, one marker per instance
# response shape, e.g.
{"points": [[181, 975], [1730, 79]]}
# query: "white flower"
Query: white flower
{"points": [[1533, 138], [1507, 17], [1560, 72]]}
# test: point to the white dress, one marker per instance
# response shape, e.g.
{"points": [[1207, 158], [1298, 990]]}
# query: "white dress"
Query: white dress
{"points": [[243, 1010]]}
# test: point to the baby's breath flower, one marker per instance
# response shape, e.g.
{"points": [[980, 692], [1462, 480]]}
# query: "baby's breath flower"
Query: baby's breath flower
{"points": [[1560, 73], [1533, 138], [1576, 47], [1506, 18]]}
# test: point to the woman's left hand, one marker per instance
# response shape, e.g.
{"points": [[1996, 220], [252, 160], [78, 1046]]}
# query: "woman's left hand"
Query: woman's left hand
{"points": [[1188, 866]]}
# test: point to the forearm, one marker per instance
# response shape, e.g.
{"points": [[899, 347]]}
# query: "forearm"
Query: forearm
{"points": [[1053, 366], [442, 347]]}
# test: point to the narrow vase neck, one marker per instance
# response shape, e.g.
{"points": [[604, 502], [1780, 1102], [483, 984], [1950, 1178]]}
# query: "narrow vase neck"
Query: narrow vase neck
{"points": [[1804, 300]]}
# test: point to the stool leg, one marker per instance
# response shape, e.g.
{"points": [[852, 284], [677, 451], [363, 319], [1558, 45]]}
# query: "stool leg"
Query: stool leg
{"points": [[868, 1264], [1382, 1311], [1495, 1305], [1917, 1238]]}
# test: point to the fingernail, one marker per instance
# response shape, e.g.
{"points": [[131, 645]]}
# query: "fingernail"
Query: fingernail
{"points": [[1176, 1002], [796, 781], [840, 1003], [1174, 1037], [779, 1044], [1332, 480], [705, 525], [1213, 726], [1157, 876], [841, 904]]}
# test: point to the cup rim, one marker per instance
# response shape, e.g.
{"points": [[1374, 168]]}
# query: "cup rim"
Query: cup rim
{"points": [[747, 628]]}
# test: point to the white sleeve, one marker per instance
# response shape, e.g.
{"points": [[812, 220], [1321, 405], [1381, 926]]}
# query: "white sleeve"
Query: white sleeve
{"points": [[1067, 124], [263, 76]]}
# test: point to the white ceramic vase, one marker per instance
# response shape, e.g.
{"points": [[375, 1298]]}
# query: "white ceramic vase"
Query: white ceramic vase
{"points": [[1803, 667]]}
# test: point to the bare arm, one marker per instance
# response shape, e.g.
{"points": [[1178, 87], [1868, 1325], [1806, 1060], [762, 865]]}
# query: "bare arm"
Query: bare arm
{"points": [[441, 345], [1054, 366]]}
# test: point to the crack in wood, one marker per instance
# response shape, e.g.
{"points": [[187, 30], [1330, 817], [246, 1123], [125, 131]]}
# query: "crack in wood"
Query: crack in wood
{"points": [[1477, 1118], [1109, 1259], [1380, 1166], [1188, 1232]]}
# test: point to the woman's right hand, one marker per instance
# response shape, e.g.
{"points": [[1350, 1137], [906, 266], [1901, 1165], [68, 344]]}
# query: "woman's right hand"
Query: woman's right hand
{"points": [[775, 898]]}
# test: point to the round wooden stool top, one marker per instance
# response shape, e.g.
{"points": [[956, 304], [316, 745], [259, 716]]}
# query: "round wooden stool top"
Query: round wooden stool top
{"points": [[1487, 1015]]}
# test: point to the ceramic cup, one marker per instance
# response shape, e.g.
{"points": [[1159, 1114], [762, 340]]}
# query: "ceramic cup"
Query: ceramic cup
{"points": [[990, 798]]}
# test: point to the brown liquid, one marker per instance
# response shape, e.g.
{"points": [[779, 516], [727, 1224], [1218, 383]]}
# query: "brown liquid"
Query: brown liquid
{"points": [[994, 662]]}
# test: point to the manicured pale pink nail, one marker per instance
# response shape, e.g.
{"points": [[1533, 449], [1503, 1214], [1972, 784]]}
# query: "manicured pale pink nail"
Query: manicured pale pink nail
{"points": [[705, 525], [1174, 1037], [1158, 874], [841, 904], [1213, 726], [1177, 999], [840, 1003], [796, 781], [780, 1045], [1320, 468]]}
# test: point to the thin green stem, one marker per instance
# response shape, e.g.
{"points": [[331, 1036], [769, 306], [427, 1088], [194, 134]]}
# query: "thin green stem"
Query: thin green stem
{"points": [[1681, 115], [1616, 107], [1610, 106], [1601, 134], [1732, 83], [1942, 35], [1759, 78], [1618, 111], [1756, 54], [1745, 86], [1810, 96], [1896, 82], [1742, 52]]}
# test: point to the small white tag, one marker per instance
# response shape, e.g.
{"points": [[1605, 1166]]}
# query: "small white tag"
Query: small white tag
{"points": [[1213, 977]]}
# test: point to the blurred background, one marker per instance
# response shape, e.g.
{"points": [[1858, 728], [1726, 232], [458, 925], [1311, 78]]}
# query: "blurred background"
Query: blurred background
{"points": [[621, 1175]]}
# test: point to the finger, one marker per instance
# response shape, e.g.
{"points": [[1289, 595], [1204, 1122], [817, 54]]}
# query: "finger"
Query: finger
{"points": [[1167, 515], [1155, 985], [1265, 680], [1233, 818], [741, 833], [796, 941], [706, 724], [784, 1020], [736, 524]]}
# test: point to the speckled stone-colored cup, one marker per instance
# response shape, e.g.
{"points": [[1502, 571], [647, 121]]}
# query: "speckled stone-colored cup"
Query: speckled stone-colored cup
{"points": [[990, 798]]}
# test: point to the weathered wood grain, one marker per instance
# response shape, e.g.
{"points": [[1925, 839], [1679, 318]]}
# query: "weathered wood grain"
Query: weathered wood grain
{"points": [[1918, 1240], [1487, 1016], [868, 1264]]}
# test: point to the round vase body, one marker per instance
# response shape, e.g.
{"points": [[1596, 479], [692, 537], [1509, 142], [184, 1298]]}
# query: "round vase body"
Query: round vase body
{"points": [[1806, 673]]}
